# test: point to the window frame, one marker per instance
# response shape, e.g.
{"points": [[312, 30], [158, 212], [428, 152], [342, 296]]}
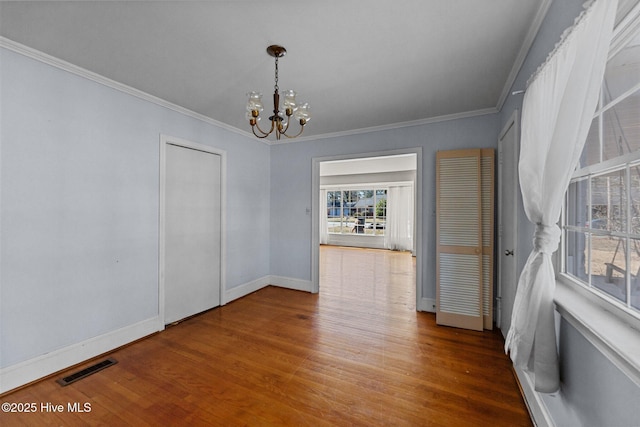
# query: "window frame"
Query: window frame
{"points": [[623, 163]]}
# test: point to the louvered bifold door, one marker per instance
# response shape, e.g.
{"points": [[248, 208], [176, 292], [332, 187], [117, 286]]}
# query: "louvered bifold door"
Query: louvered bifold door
{"points": [[459, 297], [487, 166]]}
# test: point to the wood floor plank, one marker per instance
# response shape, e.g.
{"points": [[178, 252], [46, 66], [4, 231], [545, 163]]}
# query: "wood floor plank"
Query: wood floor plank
{"points": [[356, 354]]}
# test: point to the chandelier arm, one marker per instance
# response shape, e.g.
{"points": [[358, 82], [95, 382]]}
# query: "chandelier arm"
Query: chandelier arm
{"points": [[261, 131], [253, 128], [286, 128], [297, 135], [264, 135]]}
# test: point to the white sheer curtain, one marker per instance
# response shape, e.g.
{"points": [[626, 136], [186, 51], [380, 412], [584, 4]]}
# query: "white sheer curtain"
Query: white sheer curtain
{"points": [[398, 233], [557, 111], [324, 227]]}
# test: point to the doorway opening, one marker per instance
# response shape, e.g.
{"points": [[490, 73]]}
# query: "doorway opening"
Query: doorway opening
{"points": [[365, 205]]}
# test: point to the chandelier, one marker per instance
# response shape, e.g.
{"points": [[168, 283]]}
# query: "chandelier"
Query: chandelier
{"points": [[281, 118]]}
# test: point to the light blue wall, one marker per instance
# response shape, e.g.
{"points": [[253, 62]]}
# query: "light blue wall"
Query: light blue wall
{"points": [[80, 204], [593, 392], [291, 185]]}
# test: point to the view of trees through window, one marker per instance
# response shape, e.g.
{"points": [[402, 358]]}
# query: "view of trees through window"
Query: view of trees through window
{"points": [[357, 211]]}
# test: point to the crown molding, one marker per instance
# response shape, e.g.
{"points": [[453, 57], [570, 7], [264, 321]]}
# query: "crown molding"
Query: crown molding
{"points": [[97, 78], [524, 51], [431, 120]]}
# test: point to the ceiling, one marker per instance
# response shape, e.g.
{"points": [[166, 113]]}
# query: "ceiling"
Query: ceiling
{"points": [[361, 65]]}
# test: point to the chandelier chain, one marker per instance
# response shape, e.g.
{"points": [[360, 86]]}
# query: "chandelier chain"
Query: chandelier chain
{"points": [[276, 85]]}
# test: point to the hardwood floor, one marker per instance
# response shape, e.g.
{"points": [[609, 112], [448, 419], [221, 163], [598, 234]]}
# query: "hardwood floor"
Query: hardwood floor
{"points": [[357, 354]]}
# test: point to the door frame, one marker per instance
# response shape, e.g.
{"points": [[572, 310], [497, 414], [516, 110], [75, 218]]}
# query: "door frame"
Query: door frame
{"points": [[166, 140], [418, 218], [511, 123]]}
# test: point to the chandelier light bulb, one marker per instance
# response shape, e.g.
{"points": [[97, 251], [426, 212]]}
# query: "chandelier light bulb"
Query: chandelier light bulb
{"points": [[302, 114], [254, 103], [289, 100], [249, 116]]}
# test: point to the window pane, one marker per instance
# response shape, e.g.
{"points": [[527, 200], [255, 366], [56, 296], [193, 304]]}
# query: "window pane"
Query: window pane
{"points": [[635, 198], [622, 71], [591, 151], [577, 204], [349, 199], [608, 265], [609, 202], [576, 252], [333, 212], [635, 269], [621, 127], [361, 211], [380, 212]]}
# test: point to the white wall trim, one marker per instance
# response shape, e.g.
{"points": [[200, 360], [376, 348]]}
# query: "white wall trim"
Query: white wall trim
{"points": [[255, 285], [537, 408], [245, 289], [614, 333], [38, 367], [355, 240], [90, 75], [616, 339], [524, 51], [97, 78], [391, 126], [23, 373], [427, 304], [291, 283]]}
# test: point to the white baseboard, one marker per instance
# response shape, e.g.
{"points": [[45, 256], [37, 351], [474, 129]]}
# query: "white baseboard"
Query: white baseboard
{"points": [[255, 285], [33, 369], [537, 409], [39, 367], [245, 289], [427, 304], [290, 283]]}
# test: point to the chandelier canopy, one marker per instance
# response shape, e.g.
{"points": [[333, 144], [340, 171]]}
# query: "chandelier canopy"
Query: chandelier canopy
{"points": [[281, 118]]}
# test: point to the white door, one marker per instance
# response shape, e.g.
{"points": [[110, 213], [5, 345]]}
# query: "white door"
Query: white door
{"points": [[507, 222], [192, 232]]}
